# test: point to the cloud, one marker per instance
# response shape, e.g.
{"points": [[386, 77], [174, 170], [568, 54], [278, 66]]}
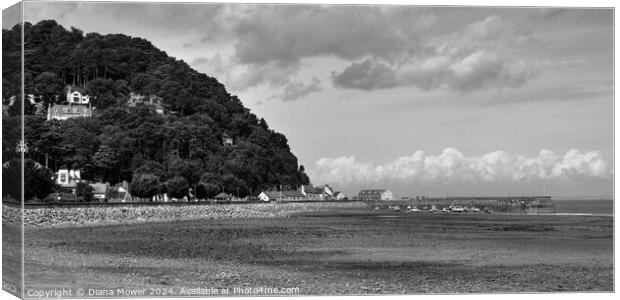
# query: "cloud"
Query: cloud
{"points": [[296, 90], [453, 166], [389, 49], [478, 70], [469, 59], [366, 75], [380, 47], [200, 61], [287, 34]]}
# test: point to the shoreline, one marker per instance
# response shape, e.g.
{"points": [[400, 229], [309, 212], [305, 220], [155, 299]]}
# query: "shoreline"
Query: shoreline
{"points": [[95, 217]]}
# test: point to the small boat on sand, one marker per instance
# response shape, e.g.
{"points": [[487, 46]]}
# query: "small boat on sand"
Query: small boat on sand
{"points": [[457, 208]]}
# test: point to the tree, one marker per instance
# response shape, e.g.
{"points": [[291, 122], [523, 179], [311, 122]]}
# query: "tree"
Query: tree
{"points": [[177, 187], [207, 190], [49, 86], [119, 143], [84, 191], [145, 186], [38, 180], [152, 167], [102, 91], [12, 179], [39, 183], [235, 186], [105, 161]]}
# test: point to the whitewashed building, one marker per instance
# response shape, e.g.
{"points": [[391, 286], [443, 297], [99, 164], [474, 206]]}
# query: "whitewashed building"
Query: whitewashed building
{"points": [[340, 196], [64, 112], [376, 195], [77, 96], [281, 196]]}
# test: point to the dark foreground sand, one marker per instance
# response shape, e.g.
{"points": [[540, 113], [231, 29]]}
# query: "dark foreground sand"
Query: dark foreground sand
{"points": [[345, 252]]}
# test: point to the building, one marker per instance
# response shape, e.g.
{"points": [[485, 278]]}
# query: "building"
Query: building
{"points": [[64, 112], [78, 106], [227, 140], [222, 197], [328, 192], [68, 179], [6, 103], [99, 191], [281, 196], [76, 95], [375, 195], [340, 196], [152, 100], [312, 193]]}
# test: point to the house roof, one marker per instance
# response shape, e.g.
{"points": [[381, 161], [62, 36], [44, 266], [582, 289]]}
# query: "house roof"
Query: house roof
{"points": [[272, 194], [76, 89], [292, 194], [284, 194], [222, 196], [312, 190], [99, 188]]}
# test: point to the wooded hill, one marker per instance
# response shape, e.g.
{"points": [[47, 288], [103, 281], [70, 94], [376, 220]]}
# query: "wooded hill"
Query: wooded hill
{"points": [[180, 148]]}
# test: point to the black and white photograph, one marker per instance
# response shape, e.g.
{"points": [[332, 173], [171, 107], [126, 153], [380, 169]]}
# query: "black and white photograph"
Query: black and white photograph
{"points": [[221, 149]]}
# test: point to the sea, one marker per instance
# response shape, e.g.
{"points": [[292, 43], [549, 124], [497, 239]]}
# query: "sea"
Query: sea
{"points": [[586, 206]]}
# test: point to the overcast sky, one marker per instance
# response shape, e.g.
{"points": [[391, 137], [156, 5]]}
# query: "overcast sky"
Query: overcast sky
{"points": [[422, 100]]}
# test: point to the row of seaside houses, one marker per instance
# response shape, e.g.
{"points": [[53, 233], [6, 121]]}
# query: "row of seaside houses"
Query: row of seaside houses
{"points": [[303, 193]]}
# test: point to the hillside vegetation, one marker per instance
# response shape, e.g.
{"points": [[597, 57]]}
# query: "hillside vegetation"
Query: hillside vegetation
{"points": [[158, 152]]}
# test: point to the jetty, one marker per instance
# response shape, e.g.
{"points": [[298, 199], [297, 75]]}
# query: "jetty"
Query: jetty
{"points": [[527, 204]]}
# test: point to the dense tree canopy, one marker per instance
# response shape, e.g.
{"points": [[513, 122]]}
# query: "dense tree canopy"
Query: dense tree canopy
{"points": [[38, 180], [120, 141]]}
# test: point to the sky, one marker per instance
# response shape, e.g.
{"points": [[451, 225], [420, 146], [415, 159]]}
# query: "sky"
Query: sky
{"points": [[426, 100]]}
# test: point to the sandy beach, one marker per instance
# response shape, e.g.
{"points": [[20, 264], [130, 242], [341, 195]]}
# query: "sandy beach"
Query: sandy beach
{"points": [[342, 252]]}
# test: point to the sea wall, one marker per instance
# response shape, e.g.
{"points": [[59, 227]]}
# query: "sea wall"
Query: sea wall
{"points": [[84, 216]]}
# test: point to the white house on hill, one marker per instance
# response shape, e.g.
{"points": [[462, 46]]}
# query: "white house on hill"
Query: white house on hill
{"points": [[77, 96], [227, 140], [150, 100]]}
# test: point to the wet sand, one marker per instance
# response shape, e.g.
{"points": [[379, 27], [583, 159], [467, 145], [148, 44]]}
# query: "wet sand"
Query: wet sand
{"points": [[342, 252]]}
